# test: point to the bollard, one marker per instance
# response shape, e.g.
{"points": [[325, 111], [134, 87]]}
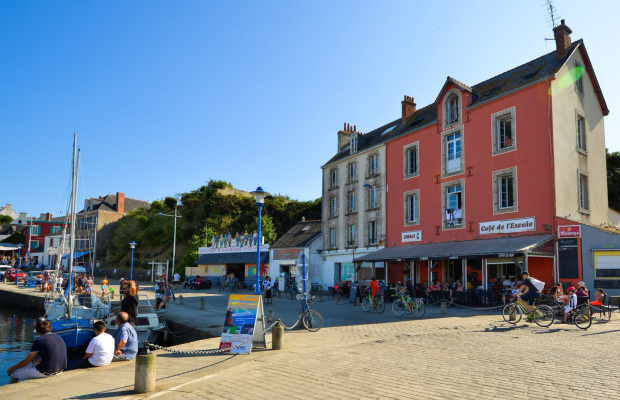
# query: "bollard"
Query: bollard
{"points": [[320, 297], [145, 372], [513, 314], [277, 336], [202, 303], [444, 308], [181, 300]]}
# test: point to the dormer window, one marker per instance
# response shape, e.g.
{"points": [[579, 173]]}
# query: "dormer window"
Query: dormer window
{"points": [[453, 109], [353, 144]]}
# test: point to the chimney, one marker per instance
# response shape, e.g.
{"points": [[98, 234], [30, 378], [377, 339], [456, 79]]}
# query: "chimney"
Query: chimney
{"points": [[408, 107], [562, 39], [120, 202]]}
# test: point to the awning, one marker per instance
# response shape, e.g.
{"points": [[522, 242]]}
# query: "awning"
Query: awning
{"points": [[501, 247], [8, 247], [246, 257], [76, 254]]}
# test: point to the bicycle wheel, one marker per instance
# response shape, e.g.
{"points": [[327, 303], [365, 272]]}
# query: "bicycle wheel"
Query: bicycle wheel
{"points": [[418, 309], [543, 315], [313, 321], [582, 320], [399, 308], [380, 306], [512, 309], [365, 304]]}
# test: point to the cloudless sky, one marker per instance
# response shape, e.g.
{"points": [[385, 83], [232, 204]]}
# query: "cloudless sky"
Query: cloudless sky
{"points": [[166, 95]]}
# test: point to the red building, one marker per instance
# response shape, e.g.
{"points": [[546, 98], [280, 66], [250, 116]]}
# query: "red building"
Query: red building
{"points": [[479, 181]]}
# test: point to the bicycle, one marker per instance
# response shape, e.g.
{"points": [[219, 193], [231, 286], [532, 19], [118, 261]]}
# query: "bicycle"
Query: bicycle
{"points": [[542, 315], [311, 319], [378, 303], [413, 306], [582, 319]]}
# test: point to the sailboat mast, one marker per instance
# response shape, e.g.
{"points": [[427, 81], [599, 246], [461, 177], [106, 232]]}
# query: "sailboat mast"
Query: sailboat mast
{"points": [[72, 219]]}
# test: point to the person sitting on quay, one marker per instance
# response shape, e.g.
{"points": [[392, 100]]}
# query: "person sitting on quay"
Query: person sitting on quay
{"points": [[125, 339], [52, 356], [100, 350]]}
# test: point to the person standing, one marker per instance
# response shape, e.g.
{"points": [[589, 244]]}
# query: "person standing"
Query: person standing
{"points": [[129, 304], [175, 280], [52, 352], [100, 350], [125, 339], [268, 286]]}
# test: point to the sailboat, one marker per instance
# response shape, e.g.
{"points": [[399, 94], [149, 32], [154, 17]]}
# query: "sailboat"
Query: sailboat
{"points": [[72, 316]]}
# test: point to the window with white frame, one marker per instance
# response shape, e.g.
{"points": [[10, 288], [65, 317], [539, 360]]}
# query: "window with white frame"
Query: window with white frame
{"points": [[35, 230], [351, 235], [333, 206], [453, 213], [412, 210], [372, 197], [453, 109], [56, 229], [352, 172], [372, 232], [334, 177], [581, 133], [411, 160], [373, 165], [503, 128], [453, 150], [578, 77], [34, 244], [505, 198], [351, 203], [332, 238], [584, 203], [353, 143]]}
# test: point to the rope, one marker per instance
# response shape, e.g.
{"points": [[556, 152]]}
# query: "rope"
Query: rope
{"points": [[152, 346]]}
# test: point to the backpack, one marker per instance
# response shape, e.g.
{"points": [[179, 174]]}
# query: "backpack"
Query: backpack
{"points": [[539, 285]]}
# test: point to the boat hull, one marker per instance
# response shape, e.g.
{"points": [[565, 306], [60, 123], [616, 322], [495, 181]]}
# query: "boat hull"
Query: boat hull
{"points": [[75, 332]]}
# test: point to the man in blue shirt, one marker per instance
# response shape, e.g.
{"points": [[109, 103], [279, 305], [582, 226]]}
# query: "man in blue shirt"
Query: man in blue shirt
{"points": [[125, 339], [52, 352]]}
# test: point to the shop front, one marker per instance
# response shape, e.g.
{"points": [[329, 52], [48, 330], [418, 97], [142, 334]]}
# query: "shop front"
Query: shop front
{"points": [[476, 264], [217, 263]]}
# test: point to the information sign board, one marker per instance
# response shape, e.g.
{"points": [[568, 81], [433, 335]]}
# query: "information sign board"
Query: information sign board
{"points": [[244, 320]]}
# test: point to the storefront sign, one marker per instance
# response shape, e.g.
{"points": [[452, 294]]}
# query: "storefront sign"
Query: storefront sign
{"points": [[211, 250], [569, 231], [286, 254], [244, 314], [412, 236], [508, 226]]}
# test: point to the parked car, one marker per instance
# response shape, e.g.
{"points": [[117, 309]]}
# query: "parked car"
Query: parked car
{"points": [[11, 275]]}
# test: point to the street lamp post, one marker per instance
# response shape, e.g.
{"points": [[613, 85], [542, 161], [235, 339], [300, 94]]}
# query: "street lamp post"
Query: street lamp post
{"points": [[259, 195], [174, 240], [133, 246]]}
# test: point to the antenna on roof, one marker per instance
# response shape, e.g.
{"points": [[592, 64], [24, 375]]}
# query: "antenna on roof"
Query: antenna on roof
{"points": [[551, 13]]}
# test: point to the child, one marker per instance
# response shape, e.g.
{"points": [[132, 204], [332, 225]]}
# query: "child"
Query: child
{"points": [[571, 304]]}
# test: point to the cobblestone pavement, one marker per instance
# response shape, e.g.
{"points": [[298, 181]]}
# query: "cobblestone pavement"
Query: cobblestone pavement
{"points": [[478, 357]]}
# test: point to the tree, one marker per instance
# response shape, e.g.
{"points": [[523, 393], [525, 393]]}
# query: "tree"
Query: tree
{"points": [[613, 179], [5, 219]]}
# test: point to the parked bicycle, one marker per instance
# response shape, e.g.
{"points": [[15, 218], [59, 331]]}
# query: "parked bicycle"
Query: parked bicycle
{"points": [[377, 304], [542, 315], [411, 306], [311, 319]]}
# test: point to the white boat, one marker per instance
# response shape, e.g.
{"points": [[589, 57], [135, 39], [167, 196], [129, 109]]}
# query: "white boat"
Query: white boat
{"points": [[148, 322]]}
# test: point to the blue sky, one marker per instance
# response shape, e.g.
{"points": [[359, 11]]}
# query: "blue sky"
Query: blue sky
{"points": [[165, 96]]}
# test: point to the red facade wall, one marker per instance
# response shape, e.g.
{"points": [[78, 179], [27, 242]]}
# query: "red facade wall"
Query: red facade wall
{"points": [[532, 158]]}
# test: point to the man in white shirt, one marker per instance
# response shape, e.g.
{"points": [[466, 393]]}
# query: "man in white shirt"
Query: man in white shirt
{"points": [[268, 285], [176, 279], [100, 350]]}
